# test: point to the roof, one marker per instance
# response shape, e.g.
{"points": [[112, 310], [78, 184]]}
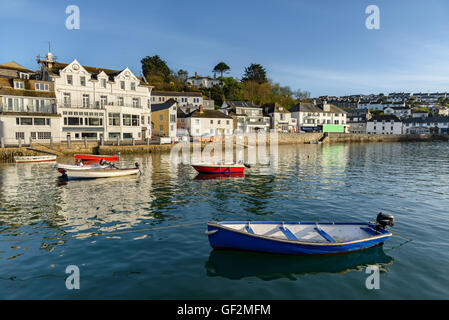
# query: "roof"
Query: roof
{"points": [[94, 71], [14, 66], [388, 117], [426, 120], [176, 93], [7, 88], [162, 106], [240, 104], [310, 107], [274, 108], [208, 114]]}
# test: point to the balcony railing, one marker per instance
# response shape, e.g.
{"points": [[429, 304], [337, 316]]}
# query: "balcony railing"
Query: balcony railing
{"points": [[96, 105], [29, 109]]}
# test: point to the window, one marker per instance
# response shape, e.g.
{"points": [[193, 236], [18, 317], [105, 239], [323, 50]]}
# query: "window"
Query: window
{"points": [[20, 135], [133, 86], [86, 101], [69, 79], [44, 135], [89, 135], [227, 121], [114, 135], [120, 101], [172, 118], [122, 85], [72, 121], [39, 121], [135, 120], [26, 121], [218, 121], [83, 81], [95, 121], [142, 119], [212, 122], [103, 83], [19, 85], [67, 99], [24, 75], [161, 128], [127, 135], [114, 119], [161, 117], [126, 119], [136, 103], [103, 101]]}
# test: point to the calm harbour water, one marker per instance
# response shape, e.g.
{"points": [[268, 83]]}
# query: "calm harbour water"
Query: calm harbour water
{"points": [[339, 182]]}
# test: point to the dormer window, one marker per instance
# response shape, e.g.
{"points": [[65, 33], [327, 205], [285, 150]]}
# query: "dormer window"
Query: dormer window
{"points": [[41, 86], [103, 83], [83, 81], [24, 75], [122, 85], [19, 85], [133, 86], [69, 79]]}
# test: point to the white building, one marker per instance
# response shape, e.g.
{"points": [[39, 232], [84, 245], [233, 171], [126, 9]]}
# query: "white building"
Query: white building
{"points": [[192, 99], [311, 116], [209, 123], [386, 124], [438, 124], [380, 105], [99, 102], [281, 118], [247, 117], [400, 112], [27, 107], [203, 82]]}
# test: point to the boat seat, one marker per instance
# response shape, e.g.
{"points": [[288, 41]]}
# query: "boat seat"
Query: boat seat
{"points": [[324, 234], [288, 234], [371, 231]]}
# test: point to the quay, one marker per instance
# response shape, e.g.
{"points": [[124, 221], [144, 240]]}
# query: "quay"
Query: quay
{"points": [[94, 147]]}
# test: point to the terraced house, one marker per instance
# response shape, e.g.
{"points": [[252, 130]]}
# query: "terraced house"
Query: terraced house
{"points": [[247, 116], [315, 116], [99, 103], [27, 107]]}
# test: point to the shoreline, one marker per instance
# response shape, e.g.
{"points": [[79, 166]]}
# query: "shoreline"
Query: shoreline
{"points": [[7, 154]]}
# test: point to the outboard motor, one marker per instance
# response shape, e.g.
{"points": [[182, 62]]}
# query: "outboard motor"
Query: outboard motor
{"points": [[137, 165], [383, 220]]}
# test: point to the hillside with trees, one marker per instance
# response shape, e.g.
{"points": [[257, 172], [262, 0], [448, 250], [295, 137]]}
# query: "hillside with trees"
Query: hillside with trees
{"points": [[255, 86]]}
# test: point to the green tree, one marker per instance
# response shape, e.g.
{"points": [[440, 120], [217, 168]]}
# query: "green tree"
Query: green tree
{"points": [[255, 72], [221, 68], [155, 66]]}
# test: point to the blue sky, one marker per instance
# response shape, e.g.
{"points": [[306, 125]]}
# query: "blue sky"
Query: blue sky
{"points": [[319, 46]]}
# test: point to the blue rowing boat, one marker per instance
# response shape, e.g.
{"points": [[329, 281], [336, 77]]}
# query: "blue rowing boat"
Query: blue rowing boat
{"points": [[299, 238]]}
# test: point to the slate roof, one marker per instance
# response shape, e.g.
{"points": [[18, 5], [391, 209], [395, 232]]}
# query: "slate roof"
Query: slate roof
{"points": [[176, 93], [208, 114], [426, 120], [162, 106], [388, 117]]}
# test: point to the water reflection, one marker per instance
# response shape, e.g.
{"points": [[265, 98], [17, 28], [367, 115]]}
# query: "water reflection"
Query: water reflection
{"points": [[213, 176], [236, 265]]}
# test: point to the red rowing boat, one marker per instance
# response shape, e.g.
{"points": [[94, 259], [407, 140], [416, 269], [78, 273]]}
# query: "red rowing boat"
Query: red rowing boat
{"points": [[219, 168], [94, 158]]}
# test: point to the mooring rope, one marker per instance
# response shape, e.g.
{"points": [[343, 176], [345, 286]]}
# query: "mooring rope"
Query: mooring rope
{"points": [[95, 234]]}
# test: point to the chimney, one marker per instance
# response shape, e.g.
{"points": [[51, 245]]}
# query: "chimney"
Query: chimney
{"points": [[201, 108], [215, 76], [196, 74], [314, 101]]}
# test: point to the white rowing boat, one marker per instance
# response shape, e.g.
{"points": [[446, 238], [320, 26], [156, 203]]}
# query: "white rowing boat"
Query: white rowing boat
{"points": [[94, 173], [25, 159], [79, 166]]}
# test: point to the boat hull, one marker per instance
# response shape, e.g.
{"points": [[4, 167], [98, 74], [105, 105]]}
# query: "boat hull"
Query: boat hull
{"points": [[30, 159], [219, 169], [91, 158], [98, 173], [221, 237]]}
